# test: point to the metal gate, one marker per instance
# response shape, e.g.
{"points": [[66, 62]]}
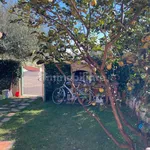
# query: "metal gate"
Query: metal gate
{"points": [[32, 81]]}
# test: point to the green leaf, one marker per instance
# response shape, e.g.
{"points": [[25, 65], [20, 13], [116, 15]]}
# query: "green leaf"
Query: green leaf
{"points": [[76, 31], [35, 58], [97, 48], [16, 20], [101, 22], [34, 32], [79, 62], [30, 54]]}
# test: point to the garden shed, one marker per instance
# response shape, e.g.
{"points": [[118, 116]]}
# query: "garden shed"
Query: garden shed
{"points": [[78, 71], [80, 65]]}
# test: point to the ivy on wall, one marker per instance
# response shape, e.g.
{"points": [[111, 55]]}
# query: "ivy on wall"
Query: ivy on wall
{"points": [[54, 78]]}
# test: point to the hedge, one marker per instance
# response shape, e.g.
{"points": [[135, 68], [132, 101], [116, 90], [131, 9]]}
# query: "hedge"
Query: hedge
{"points": [[54, 79], [10, 72]]}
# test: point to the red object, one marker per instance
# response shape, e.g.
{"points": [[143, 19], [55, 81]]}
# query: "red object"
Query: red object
{"points": [[5, 145], [29, 68], [17, 94]]}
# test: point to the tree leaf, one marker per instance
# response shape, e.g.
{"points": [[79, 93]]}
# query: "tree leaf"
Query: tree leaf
{"points": [[35, 58]]}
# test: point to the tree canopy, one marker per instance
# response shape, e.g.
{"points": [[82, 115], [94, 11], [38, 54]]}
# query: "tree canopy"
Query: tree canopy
{"points": [[18, 42], [86, 25], [113, 30]]}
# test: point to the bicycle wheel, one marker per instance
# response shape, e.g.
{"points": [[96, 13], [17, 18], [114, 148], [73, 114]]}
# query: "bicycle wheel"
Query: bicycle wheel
{"points": [[58, 96], [86, 97]]}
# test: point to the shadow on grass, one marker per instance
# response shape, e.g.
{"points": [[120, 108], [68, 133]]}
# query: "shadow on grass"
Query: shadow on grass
{"points": [[46, 126]]}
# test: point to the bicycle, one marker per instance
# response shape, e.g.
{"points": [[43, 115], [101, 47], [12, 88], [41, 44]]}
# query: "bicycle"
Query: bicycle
{"points": [[64, 94]]}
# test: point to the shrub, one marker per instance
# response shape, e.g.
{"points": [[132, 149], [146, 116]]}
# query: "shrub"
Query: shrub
{"points": [[10, 72], [51, 83]]}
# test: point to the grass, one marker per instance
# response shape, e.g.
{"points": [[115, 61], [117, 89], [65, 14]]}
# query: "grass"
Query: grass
{"points": [[46, 126], [5, 101]]}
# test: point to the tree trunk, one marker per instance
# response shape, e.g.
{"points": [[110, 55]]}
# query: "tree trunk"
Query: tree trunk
{"points": [[112, 101], [143, 137]]}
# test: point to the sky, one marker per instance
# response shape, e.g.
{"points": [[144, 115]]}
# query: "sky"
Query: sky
{"points": [[11, 1], [44, 27]]}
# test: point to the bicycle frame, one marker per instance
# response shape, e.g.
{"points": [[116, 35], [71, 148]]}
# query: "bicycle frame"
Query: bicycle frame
{"points": [[66, 91], [73, 95], [69, 90]]}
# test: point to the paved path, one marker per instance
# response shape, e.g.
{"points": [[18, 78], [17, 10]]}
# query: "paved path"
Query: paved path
{"points": [[15, 105], [7, 111]]}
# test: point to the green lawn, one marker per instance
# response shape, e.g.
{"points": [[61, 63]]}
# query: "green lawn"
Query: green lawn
{"points": [[46, 126]]}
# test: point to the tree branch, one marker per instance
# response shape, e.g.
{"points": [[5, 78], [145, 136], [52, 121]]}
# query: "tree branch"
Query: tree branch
{"points": [[75, 8], [131, 128], [89, 27], [127, 124], [112, 100], [122, 12]]}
